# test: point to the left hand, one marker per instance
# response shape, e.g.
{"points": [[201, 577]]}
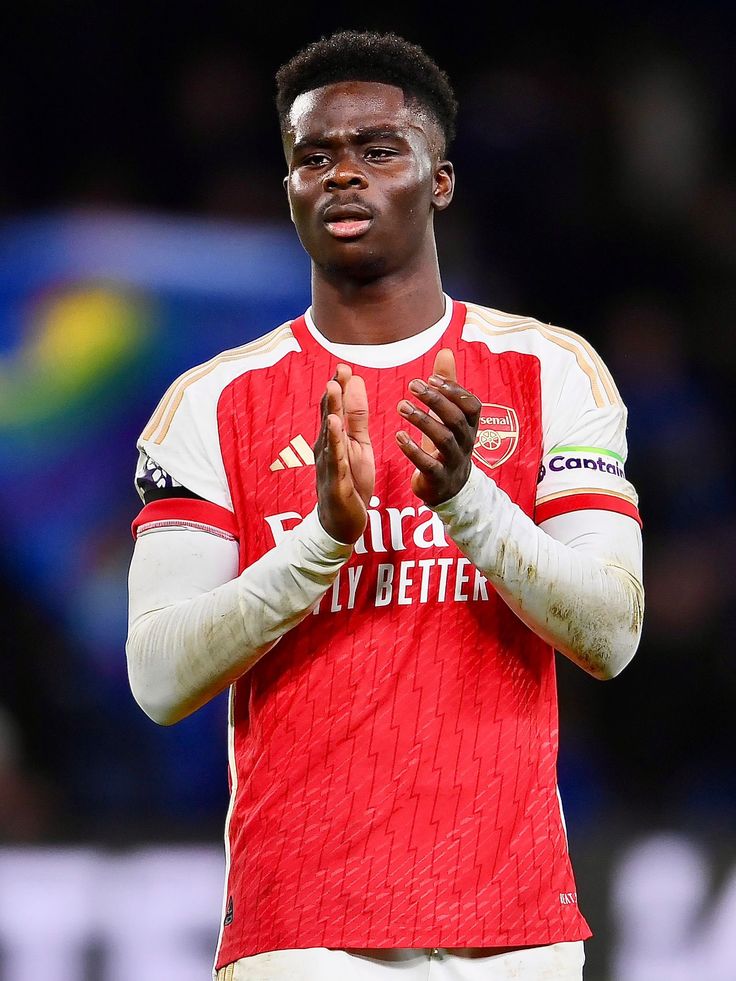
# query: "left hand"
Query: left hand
{"points": [[443, 460]]}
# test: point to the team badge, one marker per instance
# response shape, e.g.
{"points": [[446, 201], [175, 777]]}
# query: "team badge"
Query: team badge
{"points": [[497, 436]]}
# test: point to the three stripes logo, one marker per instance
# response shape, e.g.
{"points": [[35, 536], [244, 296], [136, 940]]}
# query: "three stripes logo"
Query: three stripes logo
{"points": [[297, 454]]}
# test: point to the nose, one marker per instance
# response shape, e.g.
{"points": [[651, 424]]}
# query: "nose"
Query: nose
{"points": [[345, 174]]}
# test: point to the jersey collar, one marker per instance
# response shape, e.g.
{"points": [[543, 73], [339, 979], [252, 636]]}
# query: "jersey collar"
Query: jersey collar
{"points": [[394, 353]]}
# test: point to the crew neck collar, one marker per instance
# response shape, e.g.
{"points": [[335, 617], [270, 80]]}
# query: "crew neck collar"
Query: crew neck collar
{"points": [[393, 353]]}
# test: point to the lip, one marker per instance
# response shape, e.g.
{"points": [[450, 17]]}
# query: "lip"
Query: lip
{"points": [[348, 227], [347, 221]]}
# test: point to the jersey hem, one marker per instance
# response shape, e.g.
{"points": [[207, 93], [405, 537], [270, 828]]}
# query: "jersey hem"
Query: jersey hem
{"points": [[405, 941]]}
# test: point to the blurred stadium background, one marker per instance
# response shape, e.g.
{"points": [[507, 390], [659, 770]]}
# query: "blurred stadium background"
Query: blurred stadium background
{"points": [[144, 229]]}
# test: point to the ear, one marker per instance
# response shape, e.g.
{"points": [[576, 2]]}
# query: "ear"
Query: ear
{"points": [[444, 185]]}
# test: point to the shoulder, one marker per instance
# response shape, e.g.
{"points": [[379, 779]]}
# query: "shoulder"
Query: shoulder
{"points": [[563, 354], [180, 446], [199, 388]]}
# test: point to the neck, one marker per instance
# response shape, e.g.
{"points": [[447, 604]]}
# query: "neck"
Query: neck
{"points": [[388, 308]]}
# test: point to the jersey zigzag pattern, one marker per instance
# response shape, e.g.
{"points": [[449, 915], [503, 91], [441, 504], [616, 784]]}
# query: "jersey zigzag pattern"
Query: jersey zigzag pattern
{"points": [[393, 757]]}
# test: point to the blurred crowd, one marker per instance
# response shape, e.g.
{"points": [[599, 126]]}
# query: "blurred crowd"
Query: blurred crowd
{"points": [[596, 190]]}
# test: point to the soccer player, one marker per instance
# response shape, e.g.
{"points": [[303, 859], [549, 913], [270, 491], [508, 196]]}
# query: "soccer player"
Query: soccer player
{"points": [[384, 602]]}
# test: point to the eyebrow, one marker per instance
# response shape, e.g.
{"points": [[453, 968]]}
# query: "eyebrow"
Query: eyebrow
{"points": [[364, 134]]}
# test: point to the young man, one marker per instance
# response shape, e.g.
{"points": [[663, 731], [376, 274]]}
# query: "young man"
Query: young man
{"points": [[388, 637]]}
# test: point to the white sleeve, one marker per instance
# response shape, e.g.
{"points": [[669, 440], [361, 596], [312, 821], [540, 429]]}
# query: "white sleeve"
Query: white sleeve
{"points": [[582, 594], [583, 418], [584, 437], [181, 441], [195, 626]]}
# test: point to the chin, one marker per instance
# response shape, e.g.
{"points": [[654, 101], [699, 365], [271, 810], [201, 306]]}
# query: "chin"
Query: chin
{"points": [[365, 267]]}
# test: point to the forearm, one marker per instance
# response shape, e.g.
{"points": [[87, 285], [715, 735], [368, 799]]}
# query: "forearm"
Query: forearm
{"points": [[183, 653], [588, 606]]}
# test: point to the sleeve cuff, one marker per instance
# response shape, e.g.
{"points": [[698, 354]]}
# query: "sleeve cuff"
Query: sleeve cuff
{"points": [[311, 531], [468, 493]]}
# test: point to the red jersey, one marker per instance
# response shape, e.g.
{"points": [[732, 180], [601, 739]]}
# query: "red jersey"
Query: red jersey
{"points": [[393, 757]]}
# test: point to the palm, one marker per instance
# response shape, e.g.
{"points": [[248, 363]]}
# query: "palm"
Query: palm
{"points": [[346, 470]]}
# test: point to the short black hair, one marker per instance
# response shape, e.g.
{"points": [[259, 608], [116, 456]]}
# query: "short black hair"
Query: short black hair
{"points": [[367, 56]]}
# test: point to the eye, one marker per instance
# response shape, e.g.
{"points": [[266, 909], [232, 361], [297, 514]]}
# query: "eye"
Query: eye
{"points": [[314, 160], [379, 153]]}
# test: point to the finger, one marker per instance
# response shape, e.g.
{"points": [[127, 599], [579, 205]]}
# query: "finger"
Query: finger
{"points": [[355, 404], [333, 399], [469, 404], [427, 444], [446, 411], [424, 462], [322, 434], [444, 365], [441, 438], [336, 454], [331, 404], [343, 373]]}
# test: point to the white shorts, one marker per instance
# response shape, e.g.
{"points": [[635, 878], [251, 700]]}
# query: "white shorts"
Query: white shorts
{"points": [[555, 962]]}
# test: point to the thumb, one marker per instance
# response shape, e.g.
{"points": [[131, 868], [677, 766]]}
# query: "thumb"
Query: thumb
{"points": [[444, 364]]}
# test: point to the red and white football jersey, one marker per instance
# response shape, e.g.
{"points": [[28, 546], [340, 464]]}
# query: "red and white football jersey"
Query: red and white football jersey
{"points": [[393, 758]]}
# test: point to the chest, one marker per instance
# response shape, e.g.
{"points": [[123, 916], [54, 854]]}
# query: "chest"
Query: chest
{"points": [[269, 420]]}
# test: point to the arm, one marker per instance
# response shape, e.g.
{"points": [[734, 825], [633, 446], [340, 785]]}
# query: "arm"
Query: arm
{"points": [[575, 581], [195, 625]]}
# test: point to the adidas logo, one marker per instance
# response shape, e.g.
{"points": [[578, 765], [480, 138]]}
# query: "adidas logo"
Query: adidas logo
{"points": [[297, 454]]}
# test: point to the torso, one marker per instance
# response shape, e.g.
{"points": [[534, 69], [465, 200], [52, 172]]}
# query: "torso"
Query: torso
{"points": [[395, 753]]}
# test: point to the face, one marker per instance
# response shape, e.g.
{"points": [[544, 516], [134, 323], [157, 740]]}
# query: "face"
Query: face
{"points": [[364, 178]]}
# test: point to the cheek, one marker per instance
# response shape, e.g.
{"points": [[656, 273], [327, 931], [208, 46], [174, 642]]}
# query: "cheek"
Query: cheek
{"points": [[414, 203], [300, 205], [295, 196], [300, 192]]}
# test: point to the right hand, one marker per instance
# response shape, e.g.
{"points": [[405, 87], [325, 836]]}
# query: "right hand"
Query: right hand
{"points": [[346, 468]]}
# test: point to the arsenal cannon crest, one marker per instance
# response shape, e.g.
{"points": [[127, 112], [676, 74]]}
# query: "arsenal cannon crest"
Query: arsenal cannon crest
{"points": [[497, 436]]}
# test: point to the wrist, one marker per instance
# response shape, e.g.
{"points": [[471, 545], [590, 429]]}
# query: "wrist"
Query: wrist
{"points": [[332, 537], [458, 502]]}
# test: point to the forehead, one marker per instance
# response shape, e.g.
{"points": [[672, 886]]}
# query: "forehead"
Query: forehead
{"points": [[346, 106]]}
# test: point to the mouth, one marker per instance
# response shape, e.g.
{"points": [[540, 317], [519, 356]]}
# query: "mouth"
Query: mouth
{"points": [[347, 221]]}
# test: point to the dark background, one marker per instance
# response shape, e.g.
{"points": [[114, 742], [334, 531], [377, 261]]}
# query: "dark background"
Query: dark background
{"points": [[596, 190]]}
